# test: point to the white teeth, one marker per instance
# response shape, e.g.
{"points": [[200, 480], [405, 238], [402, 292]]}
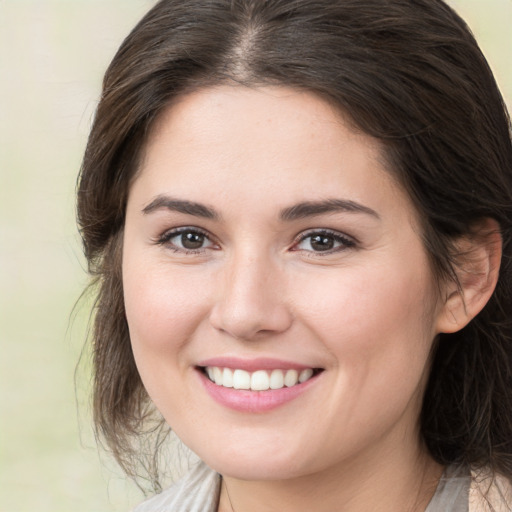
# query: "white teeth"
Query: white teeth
{"points": [[291, 378], [217, 375], [227, 378], [260, 380], [241, 379], [276, 379], [305, 375]]}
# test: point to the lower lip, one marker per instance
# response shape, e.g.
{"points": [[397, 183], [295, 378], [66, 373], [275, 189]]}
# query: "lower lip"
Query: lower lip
{"points": [[254, 401]]}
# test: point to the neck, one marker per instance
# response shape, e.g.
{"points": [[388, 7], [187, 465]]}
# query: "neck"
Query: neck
{"points": [[402, 481]]}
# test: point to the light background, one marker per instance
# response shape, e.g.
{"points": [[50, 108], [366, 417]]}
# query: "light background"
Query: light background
{"points": [[52, 57]]}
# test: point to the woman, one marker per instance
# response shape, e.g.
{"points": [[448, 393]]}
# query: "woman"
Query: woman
{"points": [[298, 215]]}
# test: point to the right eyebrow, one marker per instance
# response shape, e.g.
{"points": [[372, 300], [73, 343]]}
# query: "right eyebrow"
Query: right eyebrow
{"points": [[182, 206], [313, 208]]}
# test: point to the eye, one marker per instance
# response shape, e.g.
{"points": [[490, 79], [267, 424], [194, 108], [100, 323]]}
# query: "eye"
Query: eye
{"points": [[186, 240], [323, 241]]}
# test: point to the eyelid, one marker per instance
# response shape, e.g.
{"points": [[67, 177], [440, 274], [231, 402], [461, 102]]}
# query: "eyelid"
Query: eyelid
{"points": [[346, 240], [167, 235]]}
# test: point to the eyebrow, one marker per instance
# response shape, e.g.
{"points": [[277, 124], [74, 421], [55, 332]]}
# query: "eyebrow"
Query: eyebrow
{"points": [[312, 208], [181, 206], [295, 212]]}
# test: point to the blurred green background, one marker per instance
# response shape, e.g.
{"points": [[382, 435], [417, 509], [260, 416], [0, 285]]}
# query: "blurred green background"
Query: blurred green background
{"points": [[52, 57]]}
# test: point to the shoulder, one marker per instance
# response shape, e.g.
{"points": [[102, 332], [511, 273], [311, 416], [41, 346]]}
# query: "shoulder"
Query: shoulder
{"points": [[197, 491], [489, 492]]}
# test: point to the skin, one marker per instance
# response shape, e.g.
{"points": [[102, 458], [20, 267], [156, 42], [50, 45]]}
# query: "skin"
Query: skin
{"points": [[367, 312]]}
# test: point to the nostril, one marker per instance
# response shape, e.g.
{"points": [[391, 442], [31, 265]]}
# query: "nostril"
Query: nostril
{"points": [[246, 323]]}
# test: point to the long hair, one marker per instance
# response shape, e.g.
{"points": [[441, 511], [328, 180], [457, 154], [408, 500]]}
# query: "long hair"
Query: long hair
{"points": [[407, 72]]}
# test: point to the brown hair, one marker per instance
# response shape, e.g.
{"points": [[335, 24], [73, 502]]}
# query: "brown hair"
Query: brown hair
{"points": [[407, 72]]}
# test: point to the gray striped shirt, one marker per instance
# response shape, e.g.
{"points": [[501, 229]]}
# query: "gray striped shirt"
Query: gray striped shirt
{"points": [[199, 491]]}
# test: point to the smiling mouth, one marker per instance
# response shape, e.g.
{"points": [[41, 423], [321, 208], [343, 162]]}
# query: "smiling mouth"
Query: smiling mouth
{"points": [[259, 380]]}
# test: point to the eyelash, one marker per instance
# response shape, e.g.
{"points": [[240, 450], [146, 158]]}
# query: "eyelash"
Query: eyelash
{"points": [[344, 241], [165, 239]]}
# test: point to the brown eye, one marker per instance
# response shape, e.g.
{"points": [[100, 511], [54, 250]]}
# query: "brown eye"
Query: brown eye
{"points": [[323, 241], [186, 240], [192, 240]]}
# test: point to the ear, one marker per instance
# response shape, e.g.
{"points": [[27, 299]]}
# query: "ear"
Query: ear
{"points": [[478, 257]]}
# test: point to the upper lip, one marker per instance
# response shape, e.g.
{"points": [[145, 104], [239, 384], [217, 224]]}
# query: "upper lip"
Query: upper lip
{"points": [[252, 365]]}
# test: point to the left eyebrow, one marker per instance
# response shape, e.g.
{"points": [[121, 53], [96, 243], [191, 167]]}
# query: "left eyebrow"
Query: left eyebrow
{"points": [[312, 208], [181, 206]]}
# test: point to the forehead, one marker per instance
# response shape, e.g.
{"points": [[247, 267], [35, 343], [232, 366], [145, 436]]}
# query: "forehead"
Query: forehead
{"points": [[259, 114], [276, 143]]}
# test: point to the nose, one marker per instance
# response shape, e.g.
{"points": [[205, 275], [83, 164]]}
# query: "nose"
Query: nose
{"points": [[250, 302]]}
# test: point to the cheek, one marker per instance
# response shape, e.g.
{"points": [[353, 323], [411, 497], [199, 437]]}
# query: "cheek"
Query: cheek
{"points": [[163, 312], [163, 309], [370, 300], [379, 326], [379, 333]]}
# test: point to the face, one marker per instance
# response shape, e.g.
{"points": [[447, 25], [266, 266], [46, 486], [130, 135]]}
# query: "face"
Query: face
{"points": [[266, 248]]}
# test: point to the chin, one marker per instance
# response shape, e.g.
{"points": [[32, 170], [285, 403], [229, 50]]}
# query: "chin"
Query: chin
{"points": [[257, 465], [256, 470]]}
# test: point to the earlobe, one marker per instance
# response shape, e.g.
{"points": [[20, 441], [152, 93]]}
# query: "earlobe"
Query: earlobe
{"points": [[478, 262]]}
